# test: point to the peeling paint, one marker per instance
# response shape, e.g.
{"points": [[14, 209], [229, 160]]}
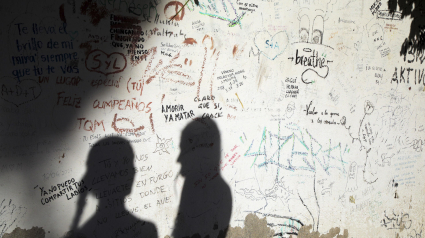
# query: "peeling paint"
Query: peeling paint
{"points": [[333, 233], [254, 227], [34, 232]]}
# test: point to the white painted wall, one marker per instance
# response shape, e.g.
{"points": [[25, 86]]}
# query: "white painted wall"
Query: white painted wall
{"points": [[320, 119]]}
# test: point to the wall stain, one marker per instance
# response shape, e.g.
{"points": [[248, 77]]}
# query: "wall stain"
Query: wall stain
{"points": [[95, 12], [402, 226], [333, 233], [254, 227], [235, 50], [189, 41], [206, 37], [262, 73], [34, 232]]}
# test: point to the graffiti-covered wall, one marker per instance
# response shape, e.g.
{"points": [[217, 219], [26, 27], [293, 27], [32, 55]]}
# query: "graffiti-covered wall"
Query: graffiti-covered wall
{"points": [[212, 118]]}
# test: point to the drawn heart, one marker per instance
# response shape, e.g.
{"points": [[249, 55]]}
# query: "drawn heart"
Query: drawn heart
{"points": [[100, 62], [18, 93], [271, 46]]}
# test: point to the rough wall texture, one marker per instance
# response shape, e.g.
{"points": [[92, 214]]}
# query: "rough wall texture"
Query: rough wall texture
{"points": [[306, 232], [254, 227], [34, 232]]}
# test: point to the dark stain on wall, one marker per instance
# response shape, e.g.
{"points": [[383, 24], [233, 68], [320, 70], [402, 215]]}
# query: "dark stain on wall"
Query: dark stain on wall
{"points": [[34, 232], [333, 233], [254, 227]]}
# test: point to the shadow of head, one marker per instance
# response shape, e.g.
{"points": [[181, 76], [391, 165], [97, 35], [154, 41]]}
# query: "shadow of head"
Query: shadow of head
{"points": [[199, 148], [206, 201], [110, 165]]}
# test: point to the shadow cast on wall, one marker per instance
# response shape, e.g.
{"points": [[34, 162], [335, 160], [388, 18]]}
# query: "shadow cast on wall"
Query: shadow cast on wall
{"points": [[42, 126], [110, 175], [206, 201]]}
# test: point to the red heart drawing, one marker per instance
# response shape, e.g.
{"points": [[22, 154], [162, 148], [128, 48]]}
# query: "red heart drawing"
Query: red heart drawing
{"points": [[100, 62], [21, 92]]}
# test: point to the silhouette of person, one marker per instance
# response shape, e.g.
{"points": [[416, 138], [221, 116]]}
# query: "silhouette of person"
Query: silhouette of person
{"points": [[206, 201], [110, 175]]}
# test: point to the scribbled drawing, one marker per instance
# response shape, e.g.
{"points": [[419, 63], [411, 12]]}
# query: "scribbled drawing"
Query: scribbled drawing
{"points": [[394, 121], [278, 191], [366, 136], [162, 145], [396, 97], [232, 22], [9, 215], [327, 4], [416, 233], [220, 11], [21, 92], [303, 153], [251, 194], [417, 145], [396, 221], [376, 37], [318, 69], [120, 125], [334, 96], [325, 186], [318, 28], [311, 53], [271, 46], [304, 32], [174, 71], [315, 215], [101, 62], [160, 70], [311, 33], [284, 226], [255, 54], [395, 117], [383, 132], [293, 150], [385, 159], [352, 178], [175, 15], [290, 109]]}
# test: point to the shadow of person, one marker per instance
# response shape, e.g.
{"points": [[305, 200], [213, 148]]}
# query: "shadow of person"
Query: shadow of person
{"points": [[206, 201], [110, 175]]}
